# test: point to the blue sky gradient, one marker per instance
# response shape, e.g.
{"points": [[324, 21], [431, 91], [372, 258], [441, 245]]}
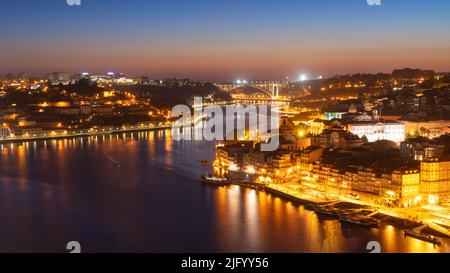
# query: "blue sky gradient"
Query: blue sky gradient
{"points": [[223, 39]]}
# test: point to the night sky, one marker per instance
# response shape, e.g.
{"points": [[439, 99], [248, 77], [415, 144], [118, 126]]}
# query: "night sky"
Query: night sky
{"points": [[223, 39]]}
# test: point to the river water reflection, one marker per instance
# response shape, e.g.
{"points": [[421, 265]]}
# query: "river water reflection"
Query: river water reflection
{"points": [[140, 192]]}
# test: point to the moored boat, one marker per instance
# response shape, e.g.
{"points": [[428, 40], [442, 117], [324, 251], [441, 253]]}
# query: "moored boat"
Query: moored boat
{"points": [[327, 211], [360, 220], [214, 180], [422, 236]]}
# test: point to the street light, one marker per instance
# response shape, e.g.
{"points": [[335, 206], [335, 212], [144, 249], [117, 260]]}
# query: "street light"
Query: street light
{"points": [[432, 199], [418, 199]]}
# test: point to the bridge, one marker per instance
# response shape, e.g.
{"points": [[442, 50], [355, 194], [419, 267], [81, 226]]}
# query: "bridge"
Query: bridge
{"points": [[272, 89]]}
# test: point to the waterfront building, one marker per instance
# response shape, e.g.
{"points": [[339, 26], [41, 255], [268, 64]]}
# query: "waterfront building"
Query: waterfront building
{"points": [[435, 179], [5, 132], [244, 160], [400, 187], [232, 155], [308, 156], [405, 186], [281, 164], [23, 131]]}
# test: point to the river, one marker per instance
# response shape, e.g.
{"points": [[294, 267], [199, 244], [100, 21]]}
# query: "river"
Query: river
{"points": [[140, 192]]}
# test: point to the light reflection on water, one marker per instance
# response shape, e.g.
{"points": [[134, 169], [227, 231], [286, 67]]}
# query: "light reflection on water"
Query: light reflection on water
{"points": [[140, 192]]}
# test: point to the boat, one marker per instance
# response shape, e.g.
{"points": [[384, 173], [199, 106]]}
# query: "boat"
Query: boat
{"points": [[327, 211], [360, 220], [351, 212], [422, 236], [209, 179]]}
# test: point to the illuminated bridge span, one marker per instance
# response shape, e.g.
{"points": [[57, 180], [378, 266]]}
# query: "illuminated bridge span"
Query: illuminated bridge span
{"points": [[272, 89]]}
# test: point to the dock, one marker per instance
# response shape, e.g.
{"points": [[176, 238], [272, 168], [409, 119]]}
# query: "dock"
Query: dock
{"points": [[418, 234]]}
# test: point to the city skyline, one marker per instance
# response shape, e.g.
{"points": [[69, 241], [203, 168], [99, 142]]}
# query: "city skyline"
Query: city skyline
{"points": [[198, 127], [217, 41]]}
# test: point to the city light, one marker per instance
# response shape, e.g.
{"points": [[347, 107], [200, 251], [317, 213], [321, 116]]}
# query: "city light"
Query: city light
{"points": [[249, 170], [418, 199], [241, 81], [432, 199], [390, 193], [303, 77], [233, 168]]}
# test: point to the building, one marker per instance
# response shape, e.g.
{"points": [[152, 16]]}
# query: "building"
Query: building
{"points": [[308, 156], [102, 79], [375, 129], [435, 180], [85, 109], [420, 148], [102, 109], [399, 188], [281, 165], [430, 129], [58, 77], [243, 160], [334, 115], [23, 131], [318, 125], [232, 156], [69, 111], [4, 132], [405, 187], [337, 138], [142, 80]]}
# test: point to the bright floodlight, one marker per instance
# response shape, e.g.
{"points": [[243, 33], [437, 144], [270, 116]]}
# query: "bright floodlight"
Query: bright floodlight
{"points": [[303, 78]]}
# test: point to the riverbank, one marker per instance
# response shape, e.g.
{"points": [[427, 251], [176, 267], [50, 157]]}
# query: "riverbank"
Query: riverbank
{"points": [[312, 202], [88, 133]]}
